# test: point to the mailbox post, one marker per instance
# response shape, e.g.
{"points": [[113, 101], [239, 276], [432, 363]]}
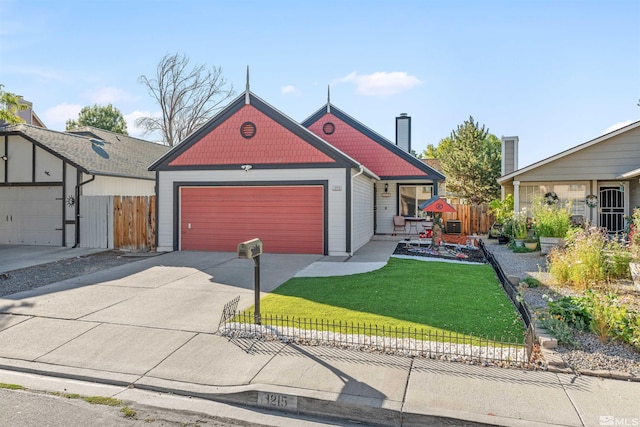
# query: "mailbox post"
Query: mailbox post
{"points": [[253, 249]]}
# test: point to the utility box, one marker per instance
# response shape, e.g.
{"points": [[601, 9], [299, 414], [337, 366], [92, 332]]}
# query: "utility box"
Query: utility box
{"points": [[453, 226], [250, 249]]}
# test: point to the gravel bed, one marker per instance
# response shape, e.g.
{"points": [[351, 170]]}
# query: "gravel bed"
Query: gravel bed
{"points": [[447, 252], [589, 353], [487, 355], [36, 276]]}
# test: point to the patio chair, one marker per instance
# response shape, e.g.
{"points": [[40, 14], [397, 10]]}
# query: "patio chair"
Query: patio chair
{"points": [[399, 223]]}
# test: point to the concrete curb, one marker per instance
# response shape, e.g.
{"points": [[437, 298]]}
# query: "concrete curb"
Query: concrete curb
{"points": [[302, 402]]}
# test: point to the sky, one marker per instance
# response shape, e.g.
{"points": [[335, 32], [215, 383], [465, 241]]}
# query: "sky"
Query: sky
{"points": [[555, 73]]}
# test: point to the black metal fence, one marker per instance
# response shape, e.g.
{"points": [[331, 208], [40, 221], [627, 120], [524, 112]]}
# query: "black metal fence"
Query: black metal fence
{"points": [[509, 289], [512, 293], [228, 311], [367, 337]]}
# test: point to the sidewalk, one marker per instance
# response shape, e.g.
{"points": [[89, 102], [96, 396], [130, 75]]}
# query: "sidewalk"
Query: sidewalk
{"points": [[150, 326]]}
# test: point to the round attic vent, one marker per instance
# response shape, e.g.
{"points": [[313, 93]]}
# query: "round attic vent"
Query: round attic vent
{"points": [[248, 130], [328, 128]]}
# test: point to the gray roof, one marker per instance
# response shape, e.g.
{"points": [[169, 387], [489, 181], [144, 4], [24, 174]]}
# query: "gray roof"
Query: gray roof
{"points": [[95, 151]]}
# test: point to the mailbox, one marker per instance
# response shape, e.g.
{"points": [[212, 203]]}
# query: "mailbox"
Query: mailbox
{"points": [[250, 249]]}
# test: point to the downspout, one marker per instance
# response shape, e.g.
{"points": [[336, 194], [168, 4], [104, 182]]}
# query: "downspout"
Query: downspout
{"points": [[352, 179], [93, 177]]}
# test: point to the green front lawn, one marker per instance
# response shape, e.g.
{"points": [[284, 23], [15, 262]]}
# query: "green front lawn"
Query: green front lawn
{"points": [[405, 293]]}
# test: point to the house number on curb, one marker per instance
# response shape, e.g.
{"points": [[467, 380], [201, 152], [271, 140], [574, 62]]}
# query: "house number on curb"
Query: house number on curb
{"points": [[277, 400]]}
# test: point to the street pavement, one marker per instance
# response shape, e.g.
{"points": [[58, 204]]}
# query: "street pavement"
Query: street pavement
{"points": [[148, 329]]}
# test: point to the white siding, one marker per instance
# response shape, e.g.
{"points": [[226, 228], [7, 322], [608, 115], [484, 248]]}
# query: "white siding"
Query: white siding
{"points": [[336, 189], [362, 228], [115, 186], [20, 163], [48, 167], [386, 207], [96, 222]]}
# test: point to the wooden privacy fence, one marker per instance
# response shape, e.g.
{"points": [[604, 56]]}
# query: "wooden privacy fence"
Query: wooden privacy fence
{"points": [[474, 219], [134, 223]]}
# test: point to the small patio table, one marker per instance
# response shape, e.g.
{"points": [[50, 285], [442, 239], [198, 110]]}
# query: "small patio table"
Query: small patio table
{"points": [[413, 223]]}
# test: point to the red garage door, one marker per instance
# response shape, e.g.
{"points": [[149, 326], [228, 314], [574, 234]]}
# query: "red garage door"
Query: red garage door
{"points": [[287, 219]]}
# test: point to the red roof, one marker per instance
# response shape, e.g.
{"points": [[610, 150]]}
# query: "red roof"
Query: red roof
{"points": [[436, 204], [382, 161], [271, 144]]}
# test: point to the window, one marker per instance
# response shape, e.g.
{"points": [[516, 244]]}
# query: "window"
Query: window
{"points": [[574, 193], [410, 197]]}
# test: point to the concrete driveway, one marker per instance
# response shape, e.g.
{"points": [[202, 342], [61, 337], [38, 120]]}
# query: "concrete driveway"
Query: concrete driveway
{"points": [[13, 257]]}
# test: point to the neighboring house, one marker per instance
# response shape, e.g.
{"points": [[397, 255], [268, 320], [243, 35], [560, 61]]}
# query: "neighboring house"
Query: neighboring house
{"points": [[29, 116], [599, 177], [251, 171], [44, 175]]}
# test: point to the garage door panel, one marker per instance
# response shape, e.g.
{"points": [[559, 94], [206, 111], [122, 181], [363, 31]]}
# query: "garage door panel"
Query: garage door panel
{"points": [[287, 219], [31, 215]]}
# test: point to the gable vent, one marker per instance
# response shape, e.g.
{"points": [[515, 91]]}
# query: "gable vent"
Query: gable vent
{"points": [[328, 128], [248, 130]]}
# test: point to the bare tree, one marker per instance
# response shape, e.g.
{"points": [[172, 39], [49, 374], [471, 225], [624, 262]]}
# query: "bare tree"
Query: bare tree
{"points": [[187, 98]]}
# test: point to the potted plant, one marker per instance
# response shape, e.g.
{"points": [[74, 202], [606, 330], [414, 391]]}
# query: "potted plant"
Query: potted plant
{"points": [[531, 242], [519, 227], [552, 221]]}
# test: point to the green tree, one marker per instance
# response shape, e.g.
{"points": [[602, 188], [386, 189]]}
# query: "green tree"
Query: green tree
{"points": [[187, 97], [102, 117], [10, 106], [435, 151], [471, 163]]}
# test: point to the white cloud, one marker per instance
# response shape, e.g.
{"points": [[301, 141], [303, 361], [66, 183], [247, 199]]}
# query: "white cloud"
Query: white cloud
{"points": [[137, 132], [108, 95], [56, 117], [285, 90], [381, 83], [617, 126]]}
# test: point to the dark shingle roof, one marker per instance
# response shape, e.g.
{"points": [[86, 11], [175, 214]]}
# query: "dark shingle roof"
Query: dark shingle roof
{"points": [[95, 151]]}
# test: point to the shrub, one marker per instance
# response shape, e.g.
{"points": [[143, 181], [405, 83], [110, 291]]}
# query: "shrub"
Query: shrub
{"points": [[600, 313], [572, 311], [589, 258], [551, 220], [519, 225], [531, 282], [560, 330], [608, 319], [634, 327], [634, 235], [502, 209]]}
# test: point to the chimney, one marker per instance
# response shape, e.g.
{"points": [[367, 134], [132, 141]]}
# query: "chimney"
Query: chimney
{"points": [[403, 132], [509, 154]]}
